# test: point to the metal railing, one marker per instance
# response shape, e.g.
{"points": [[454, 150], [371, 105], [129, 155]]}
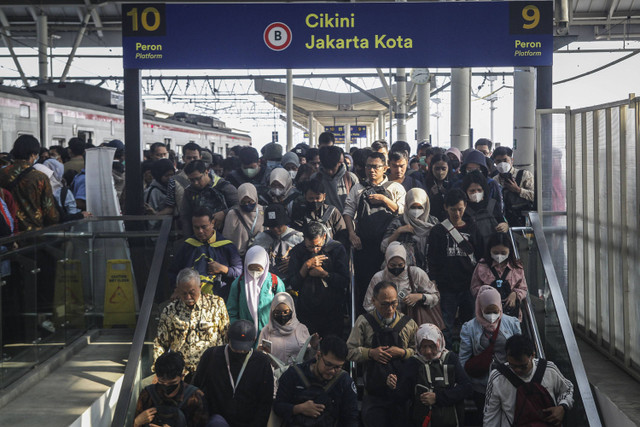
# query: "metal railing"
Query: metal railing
{"points": [[132, 369]]}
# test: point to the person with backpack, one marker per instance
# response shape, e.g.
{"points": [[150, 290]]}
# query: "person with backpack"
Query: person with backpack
{"points": [[381, 340], [369, 209], [278, 239], [245, 220], [156, 193], [485, 211], [433, 381], [280, 190], [251, 294], [30, 188], [170, 401], [206, 190], [518, 187], [319, 273], [501, 270], [318, 392], [526, 391], [483, 338], [337, 181]]}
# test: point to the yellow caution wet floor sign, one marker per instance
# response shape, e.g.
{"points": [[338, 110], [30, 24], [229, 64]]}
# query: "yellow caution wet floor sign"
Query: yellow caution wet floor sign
{"points": [[119, 300], [68, 295]]}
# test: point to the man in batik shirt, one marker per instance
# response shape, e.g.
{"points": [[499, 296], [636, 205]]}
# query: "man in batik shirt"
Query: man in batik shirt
{"points": [[192, 323], [30, 188]]}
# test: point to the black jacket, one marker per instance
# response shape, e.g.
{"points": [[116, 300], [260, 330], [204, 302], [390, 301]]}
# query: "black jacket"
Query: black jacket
{"points": [[251, 404]]}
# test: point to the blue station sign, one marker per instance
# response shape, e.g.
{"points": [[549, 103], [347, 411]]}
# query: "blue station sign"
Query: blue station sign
{"points": [[337, 35]]}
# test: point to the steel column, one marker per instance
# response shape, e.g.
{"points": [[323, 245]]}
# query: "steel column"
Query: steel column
{"points": [[133, 141], [460, 108], [76, 44], [289, 109], [347, 137], [401, 110], [423, 100], [380, 125], [311, 132], [43, 45]]}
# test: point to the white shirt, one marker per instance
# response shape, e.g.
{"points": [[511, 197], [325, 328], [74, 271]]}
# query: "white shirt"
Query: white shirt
{"points": [[395, 190]]}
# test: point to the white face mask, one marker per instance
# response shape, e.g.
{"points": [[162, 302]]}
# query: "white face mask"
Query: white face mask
{"points": [[293, 174], [491, 317], [255, 274], [477, 197], [416, 212], [499, 258], [277, 191], [503, 167]]}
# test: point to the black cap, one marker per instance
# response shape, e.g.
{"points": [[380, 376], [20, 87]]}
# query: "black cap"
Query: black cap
{"points": [[275, 215], [242, 335]]}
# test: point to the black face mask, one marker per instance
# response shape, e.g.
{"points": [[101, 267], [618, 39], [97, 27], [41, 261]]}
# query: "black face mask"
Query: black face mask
{"points": [[168, 389], [283, 319], [314, 206], [396, 271]]}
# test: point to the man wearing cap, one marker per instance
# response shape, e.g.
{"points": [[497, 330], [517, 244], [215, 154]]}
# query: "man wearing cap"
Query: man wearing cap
{"points": [[278, 239], [236, 380]]}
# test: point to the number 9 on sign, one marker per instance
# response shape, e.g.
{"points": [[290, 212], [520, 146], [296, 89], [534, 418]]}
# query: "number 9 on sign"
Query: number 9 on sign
{"points": [[531, 14]]}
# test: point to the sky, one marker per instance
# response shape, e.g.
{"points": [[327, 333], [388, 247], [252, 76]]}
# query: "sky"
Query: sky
{"points": [[611, 84]]}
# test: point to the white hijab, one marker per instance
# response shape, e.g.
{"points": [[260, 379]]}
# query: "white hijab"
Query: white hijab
{"points": [[282, 176], [396, 249], [430, 332], [255, 255], [421, 225]]}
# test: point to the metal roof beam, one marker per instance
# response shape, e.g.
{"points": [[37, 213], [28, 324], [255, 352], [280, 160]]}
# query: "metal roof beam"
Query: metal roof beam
{"points": [[96, 19], [6, 38], [383, 79], [76, 44], [365, 92]]}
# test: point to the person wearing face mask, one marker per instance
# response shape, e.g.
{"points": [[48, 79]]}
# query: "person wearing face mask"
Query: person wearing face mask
{"points": [[381, 339], [291, 163], [271, 157], [249, 170], [500, 269], [156, 193], [517, 186], [280, 191], [439, 395], [474, 160], [285, 332], [192, 322], [335, 177], [313, 207], [169, 392], [319, 273], [484, 211], [483, 338], [437, 182], [251, 294], [245, 220], [410, 281], [412, 228]]}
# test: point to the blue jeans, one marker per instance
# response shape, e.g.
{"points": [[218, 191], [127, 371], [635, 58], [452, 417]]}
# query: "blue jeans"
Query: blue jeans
{"points": [[449, 303]]}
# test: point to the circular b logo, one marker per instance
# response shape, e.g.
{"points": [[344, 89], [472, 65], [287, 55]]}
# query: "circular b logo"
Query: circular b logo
{"points": [[277, 36]]}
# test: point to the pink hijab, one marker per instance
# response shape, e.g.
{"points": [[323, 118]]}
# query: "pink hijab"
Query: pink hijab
{"points": [[487, 296], [430, 332]]}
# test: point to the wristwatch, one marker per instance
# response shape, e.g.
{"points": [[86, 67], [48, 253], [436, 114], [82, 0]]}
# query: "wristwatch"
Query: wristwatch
{"points": [[424, 299]]}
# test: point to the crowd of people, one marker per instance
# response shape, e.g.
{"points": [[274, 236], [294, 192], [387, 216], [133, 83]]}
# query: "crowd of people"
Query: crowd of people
{"points": [[257, 328]]}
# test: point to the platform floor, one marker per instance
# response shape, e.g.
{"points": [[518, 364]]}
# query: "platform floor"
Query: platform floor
{"points": [[62, 396]]}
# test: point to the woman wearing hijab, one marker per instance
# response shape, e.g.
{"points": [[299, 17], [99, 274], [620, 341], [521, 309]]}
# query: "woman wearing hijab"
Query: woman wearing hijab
{"points": [[280, 190], [439, 395], [418, 289], [245, 220], [251, 294], [65, 202], [412, 228], [483, 338], [285, 332]]}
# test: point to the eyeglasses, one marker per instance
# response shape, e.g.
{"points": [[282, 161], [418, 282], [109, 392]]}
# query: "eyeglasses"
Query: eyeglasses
{"points": [[374, 167], [330, 366], [388, 304]]}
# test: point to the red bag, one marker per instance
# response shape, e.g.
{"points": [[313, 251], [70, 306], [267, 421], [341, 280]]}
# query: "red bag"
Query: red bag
{"points": [[478, 366]]}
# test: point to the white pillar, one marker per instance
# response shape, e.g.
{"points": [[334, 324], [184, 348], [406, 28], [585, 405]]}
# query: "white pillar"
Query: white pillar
{"points": [[524, 115], [380, 125], [311, 132], [289, 109], [424, 91], [401, 110], [347, 137], [43, 44], [460, 108]]}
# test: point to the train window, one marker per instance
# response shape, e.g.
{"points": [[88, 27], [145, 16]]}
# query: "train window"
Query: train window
{"points": [[167, 142], [25, 111], [86, 135], [57, 117], [57, 140]]}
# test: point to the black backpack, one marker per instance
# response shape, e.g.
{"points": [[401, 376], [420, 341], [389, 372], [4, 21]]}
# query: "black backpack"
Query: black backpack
{"points": [[502, 285], [531, 397], [375, 377], [216, 202], [372, 220], [319, 394], [169, 414], [515, 206], [434, 376], [315, 295], [484, 220]]}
